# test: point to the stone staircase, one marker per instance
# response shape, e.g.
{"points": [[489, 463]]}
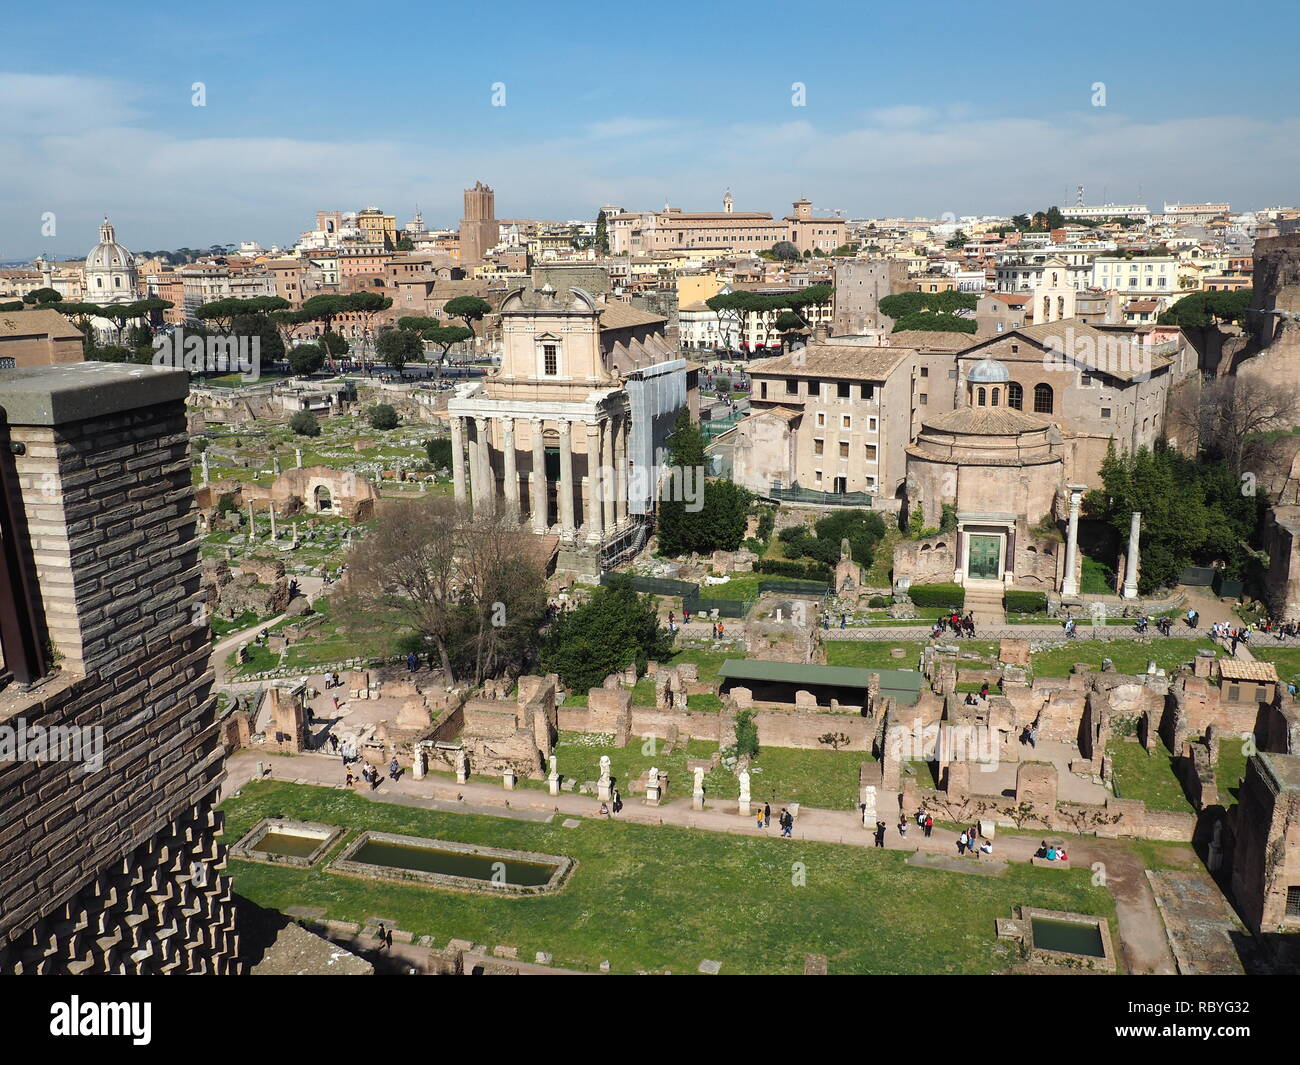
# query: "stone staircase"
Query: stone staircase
{"points": [[984, 600]]}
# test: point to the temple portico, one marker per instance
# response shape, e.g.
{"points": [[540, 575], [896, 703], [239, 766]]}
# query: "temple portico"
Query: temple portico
{"points": [[561, 468], [566, 432]]}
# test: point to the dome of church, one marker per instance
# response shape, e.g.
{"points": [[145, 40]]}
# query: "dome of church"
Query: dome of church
{"points": [[988, 372], [108, 254]]}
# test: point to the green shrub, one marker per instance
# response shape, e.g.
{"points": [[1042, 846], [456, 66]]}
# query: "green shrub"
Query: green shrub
{"points": [[877, 601], [304, 423], [938, 595], [383, 416], [782, 568], [766, 519], [1018, 601]]}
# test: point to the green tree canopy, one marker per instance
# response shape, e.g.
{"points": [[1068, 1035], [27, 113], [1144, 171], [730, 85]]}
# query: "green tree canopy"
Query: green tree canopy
{"points": [[305, 423], [397, 347], [383, 416], [469, 309], [1198, 310], [616, 628], [306, 359]]}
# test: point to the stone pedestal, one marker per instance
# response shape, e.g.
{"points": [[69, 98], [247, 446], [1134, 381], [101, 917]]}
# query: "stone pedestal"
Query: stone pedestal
{"points": [[508, 780], [553, 783], [868, 797], [419, 764]]}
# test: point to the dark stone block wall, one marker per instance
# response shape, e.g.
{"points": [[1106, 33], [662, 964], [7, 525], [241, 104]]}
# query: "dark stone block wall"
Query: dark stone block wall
{"points": [[115, 870]]}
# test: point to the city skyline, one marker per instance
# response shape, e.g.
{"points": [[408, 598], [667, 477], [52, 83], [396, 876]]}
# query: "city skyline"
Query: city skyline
{"points": [[881, 119]]}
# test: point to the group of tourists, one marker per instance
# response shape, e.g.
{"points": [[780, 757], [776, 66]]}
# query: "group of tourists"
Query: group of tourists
{"points": [[1164, 624], [1053, 852], [970, 842], [956, 624], [1232, 635]]}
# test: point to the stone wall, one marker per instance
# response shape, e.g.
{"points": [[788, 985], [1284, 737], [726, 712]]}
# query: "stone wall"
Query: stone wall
{"points": [[99, 866]]}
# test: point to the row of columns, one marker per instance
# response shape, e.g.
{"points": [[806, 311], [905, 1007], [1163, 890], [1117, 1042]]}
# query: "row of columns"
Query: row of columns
{"points": [[606, 485]]}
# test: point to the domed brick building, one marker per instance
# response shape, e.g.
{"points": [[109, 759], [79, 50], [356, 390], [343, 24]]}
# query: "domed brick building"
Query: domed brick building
{"points": [[1000, 469]]}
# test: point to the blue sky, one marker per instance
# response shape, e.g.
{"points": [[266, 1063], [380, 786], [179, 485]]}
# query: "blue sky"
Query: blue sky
{"points": [[910, 109]]}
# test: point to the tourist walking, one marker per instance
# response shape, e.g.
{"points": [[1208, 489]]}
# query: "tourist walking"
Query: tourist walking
{"points": [[929, 825], [394, 771], [412, 663], [880, 833], [767, 815], [961, 843]]}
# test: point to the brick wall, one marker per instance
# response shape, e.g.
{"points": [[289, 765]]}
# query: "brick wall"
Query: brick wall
{"points": [[105, 486]]}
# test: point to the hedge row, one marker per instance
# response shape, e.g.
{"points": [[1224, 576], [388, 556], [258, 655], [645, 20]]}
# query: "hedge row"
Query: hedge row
{"points": [[940, 595], [1020, 601], [812, 571]]}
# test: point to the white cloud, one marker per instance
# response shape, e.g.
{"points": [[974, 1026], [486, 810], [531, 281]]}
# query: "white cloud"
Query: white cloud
{"points": [[83, 148]]}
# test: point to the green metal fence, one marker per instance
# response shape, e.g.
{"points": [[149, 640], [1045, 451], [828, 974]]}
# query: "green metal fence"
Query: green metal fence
{"points": [[795, 587], [726, 608], [658, 585]]}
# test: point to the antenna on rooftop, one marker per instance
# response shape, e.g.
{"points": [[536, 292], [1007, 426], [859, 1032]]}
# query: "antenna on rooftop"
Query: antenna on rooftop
{"points": [[1078, 202]]}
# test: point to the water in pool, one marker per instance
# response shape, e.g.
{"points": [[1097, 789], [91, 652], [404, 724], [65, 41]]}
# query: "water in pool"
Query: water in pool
{"points": [[452, 863], [288, 844], [1071, 937]]}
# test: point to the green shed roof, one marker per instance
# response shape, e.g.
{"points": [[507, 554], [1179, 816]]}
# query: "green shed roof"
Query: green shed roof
{"points": [[900, 684]]}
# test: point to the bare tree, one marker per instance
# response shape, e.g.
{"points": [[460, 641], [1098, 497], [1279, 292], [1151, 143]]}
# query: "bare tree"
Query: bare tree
{"points": [[1233, 417], [470, 585]]}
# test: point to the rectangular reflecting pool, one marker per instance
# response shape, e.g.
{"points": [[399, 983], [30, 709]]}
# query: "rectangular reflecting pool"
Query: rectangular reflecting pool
{"points": [[444, 863], [1061, 939], [284, 842], [454, 863], [1071, 937]]}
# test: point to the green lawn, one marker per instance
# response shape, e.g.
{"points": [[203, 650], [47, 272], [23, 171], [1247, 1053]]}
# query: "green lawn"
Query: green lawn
{"points": [[1231, 770], [871, 654], [1287, 659], [1149, 777], [647, 898], [816, 777], [1128, 656]]}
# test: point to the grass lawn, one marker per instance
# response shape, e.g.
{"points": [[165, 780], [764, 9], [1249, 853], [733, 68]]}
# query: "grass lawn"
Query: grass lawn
{"points": [[646, 897], [1149, 777], [823, 778], [1231, 770], [871, 654], [1128, 656], [1287, 659]]}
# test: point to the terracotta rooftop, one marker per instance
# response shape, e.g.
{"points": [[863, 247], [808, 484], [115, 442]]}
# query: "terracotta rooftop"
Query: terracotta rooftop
{"points": [[929, 339], [986, 421], [1237, 669], [834, 361], [624, 316], [36, 323]]}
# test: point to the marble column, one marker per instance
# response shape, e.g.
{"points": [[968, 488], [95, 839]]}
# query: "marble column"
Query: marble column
{"points": [[476, 486], [620, 465], [458, 457], [270, 509], [1131, 563], [608, 477], [252, 525], [595, 528], [511, 468], [1069, 583], [537, 479], [566, 479], [206, 474], [486, 478]]}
